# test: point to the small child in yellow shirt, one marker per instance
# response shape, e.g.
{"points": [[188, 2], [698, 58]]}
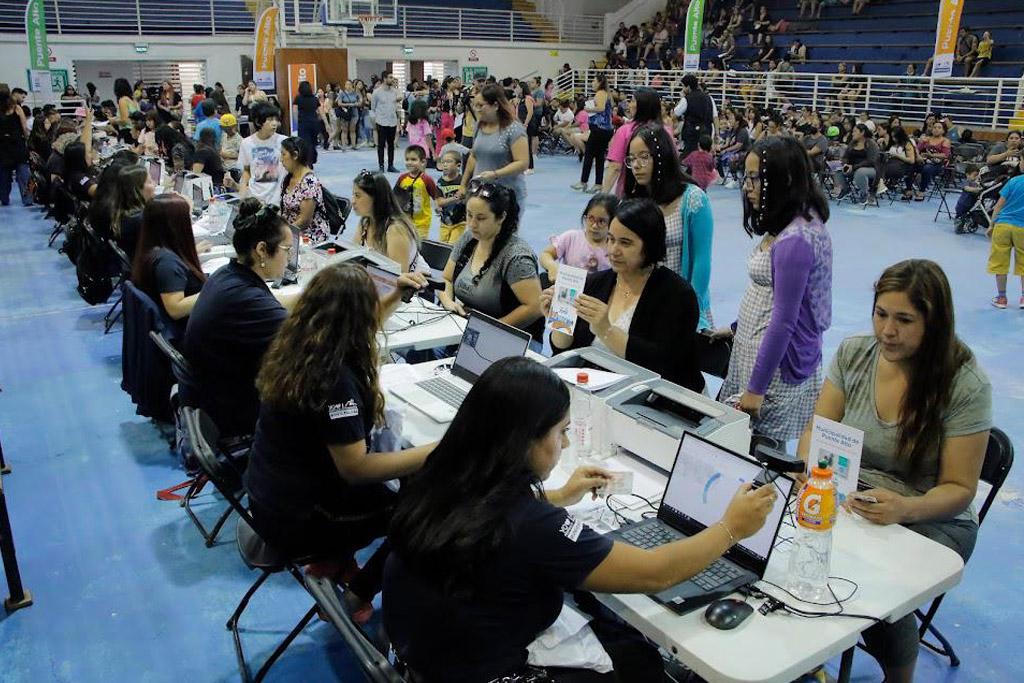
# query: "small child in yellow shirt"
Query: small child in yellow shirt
{"points": [[415, 189], [450, 206]]}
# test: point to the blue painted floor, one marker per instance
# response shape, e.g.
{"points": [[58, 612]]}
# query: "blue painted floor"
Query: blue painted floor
{"points": [[125, 589]]}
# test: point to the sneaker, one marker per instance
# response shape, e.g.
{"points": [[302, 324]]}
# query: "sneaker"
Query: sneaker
{"points": [[593, 189], [528, 171], [1000, 301], [1020, 304], [392, 169], [731, 184], [579, 186]]}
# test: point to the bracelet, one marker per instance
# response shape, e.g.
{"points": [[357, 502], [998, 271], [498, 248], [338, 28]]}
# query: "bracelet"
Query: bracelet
{"points": [[732, 539]]}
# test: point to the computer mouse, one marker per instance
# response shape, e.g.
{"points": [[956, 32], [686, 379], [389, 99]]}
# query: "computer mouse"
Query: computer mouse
{"points": [[727, 613]]}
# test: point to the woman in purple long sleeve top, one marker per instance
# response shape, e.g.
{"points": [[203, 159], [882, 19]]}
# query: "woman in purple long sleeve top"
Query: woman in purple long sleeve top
{"points": [[775, 368]]}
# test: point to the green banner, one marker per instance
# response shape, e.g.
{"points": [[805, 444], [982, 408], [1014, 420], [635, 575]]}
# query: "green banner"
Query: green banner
{"points": [[694, 35], [35, 30]]}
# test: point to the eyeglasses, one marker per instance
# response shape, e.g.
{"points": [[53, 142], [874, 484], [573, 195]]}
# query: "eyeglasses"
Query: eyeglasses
{"points": [[286, 247], [594, 220], [641, 160]]}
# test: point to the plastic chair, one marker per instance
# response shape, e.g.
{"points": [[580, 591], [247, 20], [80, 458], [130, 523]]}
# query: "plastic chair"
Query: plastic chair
{"points": [[254, 550], [998, 461], [124, 265], [373, 663]]}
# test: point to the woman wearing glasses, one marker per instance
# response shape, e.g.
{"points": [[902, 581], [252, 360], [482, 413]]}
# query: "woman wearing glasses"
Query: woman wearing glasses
{"points": [[314, 487], [383, 226], [478, 539], [638, 310], [645, 107], [491, 269], [775, 368], [654, 173], [500, 151]]}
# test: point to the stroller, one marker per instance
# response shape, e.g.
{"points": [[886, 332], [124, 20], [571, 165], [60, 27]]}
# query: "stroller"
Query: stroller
{"points": [[551, 144], [978, 216]]}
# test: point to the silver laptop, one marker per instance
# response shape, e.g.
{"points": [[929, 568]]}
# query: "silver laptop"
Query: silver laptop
{"points": [[704, 479], [484, 341]]}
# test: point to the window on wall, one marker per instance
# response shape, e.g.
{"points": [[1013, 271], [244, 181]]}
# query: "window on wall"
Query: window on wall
{"points": [[400, 72], [434, 70], [182, 75]]}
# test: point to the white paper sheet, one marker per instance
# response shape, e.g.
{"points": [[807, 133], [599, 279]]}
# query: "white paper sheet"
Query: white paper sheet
{"points": [[841, 446], [596, 379], [568, 284]]}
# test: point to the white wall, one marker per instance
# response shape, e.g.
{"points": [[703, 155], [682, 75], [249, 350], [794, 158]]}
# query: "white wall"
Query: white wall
{"points": [[223, 64]]}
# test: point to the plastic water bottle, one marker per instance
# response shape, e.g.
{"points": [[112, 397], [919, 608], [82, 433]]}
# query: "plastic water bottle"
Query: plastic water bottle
{"points": [[810, 558], [582, 417]]}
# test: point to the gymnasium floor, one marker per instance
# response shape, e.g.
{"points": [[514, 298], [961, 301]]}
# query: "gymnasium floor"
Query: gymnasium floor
{"points": [[125, 589]]}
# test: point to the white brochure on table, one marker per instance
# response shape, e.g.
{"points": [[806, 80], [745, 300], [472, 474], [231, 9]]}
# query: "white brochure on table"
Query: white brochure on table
{"points": [[841, 446], [568, 285]]}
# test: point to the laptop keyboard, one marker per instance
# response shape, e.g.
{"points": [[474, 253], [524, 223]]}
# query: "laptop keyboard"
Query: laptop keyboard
{"points": [[445, 391], [650, 536]]}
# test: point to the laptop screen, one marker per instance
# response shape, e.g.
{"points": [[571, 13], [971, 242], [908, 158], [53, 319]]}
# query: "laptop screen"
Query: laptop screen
{"points": [[198, 201], [179, 182], [484, 341], [385, 282], [703, 481], [155, 170]]}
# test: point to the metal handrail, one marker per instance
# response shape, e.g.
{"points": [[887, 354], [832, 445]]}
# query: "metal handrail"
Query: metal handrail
{"points": [[225, 17], [979, 102]]}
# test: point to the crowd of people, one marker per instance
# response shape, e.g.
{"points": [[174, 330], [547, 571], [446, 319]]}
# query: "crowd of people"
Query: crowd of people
{"points": [[473, 532]]}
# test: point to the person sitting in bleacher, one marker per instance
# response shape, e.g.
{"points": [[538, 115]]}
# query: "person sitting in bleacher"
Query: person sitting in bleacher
{"points": [[901, 161], [638, 310], [236, 318], [478, 539], [315, 488], [925, 407], [491, 269], [166, 265]]}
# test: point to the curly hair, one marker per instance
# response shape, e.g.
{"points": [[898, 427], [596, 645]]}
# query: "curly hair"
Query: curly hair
{"points": [[334, 326]]}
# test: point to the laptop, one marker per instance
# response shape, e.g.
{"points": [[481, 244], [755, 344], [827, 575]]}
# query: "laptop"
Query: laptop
{"points": [[179, 181], [484, 341], [199, 202], [155, 169], [704, 479]]}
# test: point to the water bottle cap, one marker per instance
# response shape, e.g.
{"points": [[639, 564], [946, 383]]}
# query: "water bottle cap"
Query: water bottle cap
{"points": [[582, 378], [331, 251]]}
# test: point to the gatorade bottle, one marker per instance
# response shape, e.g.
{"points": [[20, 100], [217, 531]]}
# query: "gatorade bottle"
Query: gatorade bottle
{"points": [[582, 417], [810, 558]]}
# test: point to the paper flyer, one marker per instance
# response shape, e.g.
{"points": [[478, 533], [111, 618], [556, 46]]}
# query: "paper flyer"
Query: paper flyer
{"points": [[841, 446], [568, 284]]}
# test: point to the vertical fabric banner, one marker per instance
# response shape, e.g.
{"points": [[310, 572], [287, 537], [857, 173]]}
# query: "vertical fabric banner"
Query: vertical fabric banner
{"points": [[694, 35], [296, 74], [38, 50], [266, 44], [945, 37]]}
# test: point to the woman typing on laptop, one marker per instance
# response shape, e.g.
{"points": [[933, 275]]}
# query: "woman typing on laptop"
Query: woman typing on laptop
{"points": [[925, 407], [314, 486], [476, 538]]}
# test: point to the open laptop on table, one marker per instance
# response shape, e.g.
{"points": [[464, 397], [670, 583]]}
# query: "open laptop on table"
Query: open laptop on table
{"points": [[484, 341], [704, 479]]}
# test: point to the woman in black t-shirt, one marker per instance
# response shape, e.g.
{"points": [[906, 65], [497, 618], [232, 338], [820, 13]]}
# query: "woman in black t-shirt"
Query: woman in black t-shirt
{"points": [[477, 539], [78, 172], [166, 264], [206, 159], [309, 118], [315, 489], [133, 188]]}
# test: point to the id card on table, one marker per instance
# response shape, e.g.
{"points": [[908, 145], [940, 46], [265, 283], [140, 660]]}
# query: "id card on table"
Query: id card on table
{"points": [[568, 285]]}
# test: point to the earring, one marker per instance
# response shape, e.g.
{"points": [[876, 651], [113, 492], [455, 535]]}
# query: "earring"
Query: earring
{"points": [[263, 264]]}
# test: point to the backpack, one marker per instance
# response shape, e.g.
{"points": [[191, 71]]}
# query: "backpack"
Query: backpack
{"points": [[93, 271], [335, 210]]}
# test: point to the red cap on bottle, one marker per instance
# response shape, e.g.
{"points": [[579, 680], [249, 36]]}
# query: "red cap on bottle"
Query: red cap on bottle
{"points": [[582, 378]]}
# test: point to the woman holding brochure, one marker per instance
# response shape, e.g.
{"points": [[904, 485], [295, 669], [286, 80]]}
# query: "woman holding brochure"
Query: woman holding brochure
{"points": [[638, 310], [925, 408], [477, 537]]}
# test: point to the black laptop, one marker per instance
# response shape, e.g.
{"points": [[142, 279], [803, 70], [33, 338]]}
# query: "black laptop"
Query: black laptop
{"points": [[704, 479]]}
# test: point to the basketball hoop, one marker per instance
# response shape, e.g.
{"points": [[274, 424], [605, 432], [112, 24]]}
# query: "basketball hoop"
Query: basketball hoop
{"points": [[369, 22]]}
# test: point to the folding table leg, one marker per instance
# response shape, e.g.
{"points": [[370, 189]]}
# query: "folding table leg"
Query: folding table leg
{"points": [[846, 666]]}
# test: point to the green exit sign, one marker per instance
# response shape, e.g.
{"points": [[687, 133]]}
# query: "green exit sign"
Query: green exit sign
{"points": [[141, 48]]}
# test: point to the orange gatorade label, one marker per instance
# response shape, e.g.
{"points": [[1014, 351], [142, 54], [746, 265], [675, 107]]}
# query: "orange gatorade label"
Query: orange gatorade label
{"points": [[816, 506]]}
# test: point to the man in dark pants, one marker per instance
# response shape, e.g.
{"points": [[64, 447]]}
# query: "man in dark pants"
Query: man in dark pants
{"points": [[697, 112], [383, 105]]}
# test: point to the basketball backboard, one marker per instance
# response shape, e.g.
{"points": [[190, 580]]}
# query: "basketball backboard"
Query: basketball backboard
{"points": [[349, 11]]}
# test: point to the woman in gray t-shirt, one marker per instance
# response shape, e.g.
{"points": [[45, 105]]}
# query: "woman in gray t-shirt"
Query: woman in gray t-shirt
{"points": [[491, 269], [926, 409], [500, 151]]}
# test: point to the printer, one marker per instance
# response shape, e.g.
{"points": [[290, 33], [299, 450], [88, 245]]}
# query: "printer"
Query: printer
{"points": [[649, 420], [345, 250], [591, 358]]}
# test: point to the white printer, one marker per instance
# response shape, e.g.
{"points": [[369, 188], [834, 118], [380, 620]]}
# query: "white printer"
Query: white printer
{"points": [[345, 250], [590, 358], [649, 419]]}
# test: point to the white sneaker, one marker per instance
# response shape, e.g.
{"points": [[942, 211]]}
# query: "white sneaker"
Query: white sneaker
{"points": [[579, 186], [528, 171], [731, 184]]}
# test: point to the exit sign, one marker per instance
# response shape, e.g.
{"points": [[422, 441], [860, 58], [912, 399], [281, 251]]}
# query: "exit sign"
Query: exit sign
{"points": [[141, 47]]}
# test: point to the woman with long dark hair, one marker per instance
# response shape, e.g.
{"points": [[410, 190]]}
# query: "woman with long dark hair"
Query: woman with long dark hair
{"points": [[644, 108], [166, 264], [302, 194], [491, 269], [601, 129], [314, 486], [638, 310], [169, 105], [775, 367], [126, 105], [383, 226], [176, 149], [476, 537], [132, 190], [309, 110], [901, 161], [925, 407], [654, 173], [500, 152]]}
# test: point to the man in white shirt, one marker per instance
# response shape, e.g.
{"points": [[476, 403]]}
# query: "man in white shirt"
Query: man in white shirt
{"points": [[384, 107], [259, 155]]}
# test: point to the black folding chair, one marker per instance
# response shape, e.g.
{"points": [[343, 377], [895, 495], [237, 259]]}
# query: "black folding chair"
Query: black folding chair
{"points": [[123, 265], [998, 461], [951, 183], [254, 550], [436, 254], [184, 376], [375, 665]]}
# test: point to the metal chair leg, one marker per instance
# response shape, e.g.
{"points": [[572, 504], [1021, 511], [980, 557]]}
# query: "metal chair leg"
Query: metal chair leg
{"points": [[215, 531], [944, 648], [292, 635]]}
